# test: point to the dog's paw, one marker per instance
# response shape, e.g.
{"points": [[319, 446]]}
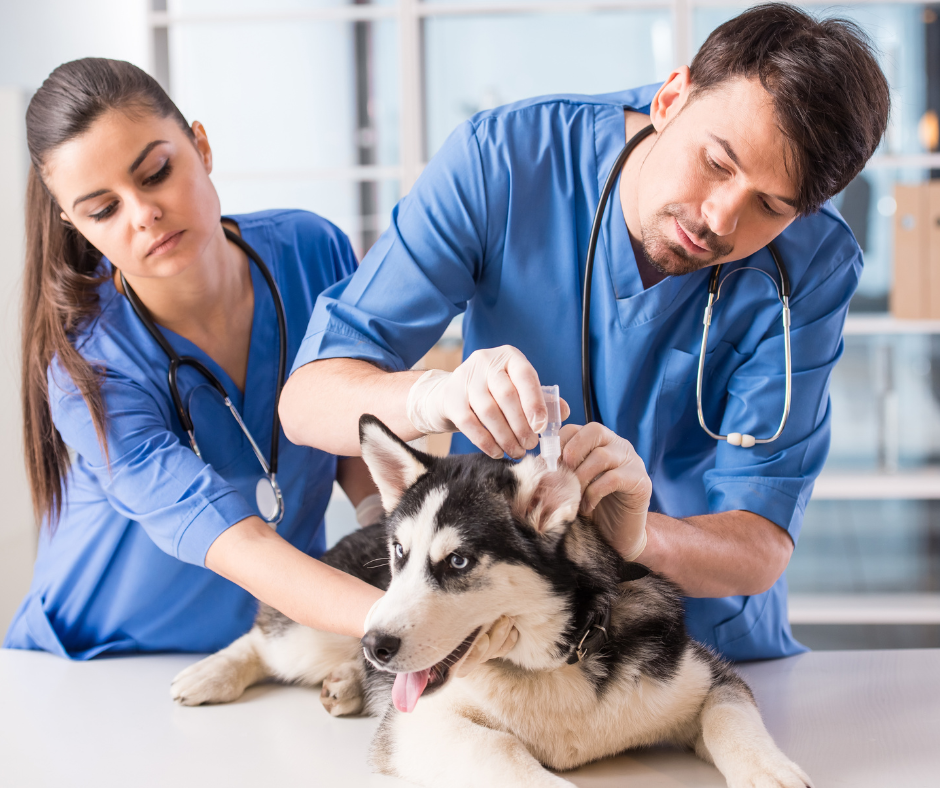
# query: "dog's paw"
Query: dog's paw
{"points": [[775, 772], [217, 679], [342, 690]]}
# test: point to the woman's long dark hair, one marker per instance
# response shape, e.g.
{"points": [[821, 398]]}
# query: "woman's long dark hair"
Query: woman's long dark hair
{"points": [[63, 271]]}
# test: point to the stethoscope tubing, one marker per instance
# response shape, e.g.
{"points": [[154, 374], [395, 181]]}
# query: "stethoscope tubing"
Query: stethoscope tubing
{"points": [[714, 291], [612, 177], [177, 361]]}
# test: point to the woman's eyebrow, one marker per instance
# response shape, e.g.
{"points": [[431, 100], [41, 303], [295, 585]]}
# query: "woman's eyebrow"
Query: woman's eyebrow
{"points": [[137, 162], [143, 154]]}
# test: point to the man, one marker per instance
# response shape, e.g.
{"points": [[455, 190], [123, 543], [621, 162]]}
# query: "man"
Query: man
{"points": [[776, 114]]}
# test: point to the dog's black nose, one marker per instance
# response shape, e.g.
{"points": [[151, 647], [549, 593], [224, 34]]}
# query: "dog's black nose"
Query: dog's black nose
{"points": [[381, 647]]}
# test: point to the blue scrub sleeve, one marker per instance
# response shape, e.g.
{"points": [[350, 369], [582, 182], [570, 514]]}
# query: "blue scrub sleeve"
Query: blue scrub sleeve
{"points": [[775, 480], [153, 479], [420, 273]]}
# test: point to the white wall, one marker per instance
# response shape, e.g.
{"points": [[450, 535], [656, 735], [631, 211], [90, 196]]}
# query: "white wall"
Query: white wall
{"points": [[35, 37], [16, 524], [38, 35]]}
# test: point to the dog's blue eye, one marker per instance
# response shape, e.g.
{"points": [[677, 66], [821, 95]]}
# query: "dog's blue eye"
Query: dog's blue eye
{"points": [[399, 550], [458, 561]]}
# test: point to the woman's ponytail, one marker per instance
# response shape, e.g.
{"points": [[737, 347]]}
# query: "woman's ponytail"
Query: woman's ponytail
{"points": [[59, 293]]}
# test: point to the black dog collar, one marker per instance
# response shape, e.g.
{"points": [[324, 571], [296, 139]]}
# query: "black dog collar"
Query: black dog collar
{"points": [[592, 636]]}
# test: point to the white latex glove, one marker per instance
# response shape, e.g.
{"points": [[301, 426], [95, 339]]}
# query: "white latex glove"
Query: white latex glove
{"points": [[493, 644], [494, 398], [370, 510], [615, 488]]}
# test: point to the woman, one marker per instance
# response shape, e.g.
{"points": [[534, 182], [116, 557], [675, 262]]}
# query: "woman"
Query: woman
{"points": [[119, 202]]}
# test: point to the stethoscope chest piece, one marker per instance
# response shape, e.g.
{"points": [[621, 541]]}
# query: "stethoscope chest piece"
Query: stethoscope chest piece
{"points": [[269, 500]]}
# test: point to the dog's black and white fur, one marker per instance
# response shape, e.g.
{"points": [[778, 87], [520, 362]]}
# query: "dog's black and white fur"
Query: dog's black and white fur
{"points": [[471, 539]]}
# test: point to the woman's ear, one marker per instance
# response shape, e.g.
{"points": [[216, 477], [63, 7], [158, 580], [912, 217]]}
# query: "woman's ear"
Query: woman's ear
{"points": [[202, 145], [65, 219], [670, 98]]}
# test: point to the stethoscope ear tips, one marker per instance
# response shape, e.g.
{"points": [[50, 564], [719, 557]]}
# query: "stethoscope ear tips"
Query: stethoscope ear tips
{"points": [[744, 441]]}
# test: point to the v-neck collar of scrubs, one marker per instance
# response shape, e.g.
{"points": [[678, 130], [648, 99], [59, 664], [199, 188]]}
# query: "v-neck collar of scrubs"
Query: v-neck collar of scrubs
{"points": [[636, 305]]}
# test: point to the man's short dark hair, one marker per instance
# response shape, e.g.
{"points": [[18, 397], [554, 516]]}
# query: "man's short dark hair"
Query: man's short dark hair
{"points": [[830, 97]]}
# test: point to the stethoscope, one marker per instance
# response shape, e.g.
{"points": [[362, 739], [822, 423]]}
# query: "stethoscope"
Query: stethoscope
{"points": [[267, 492], [714, 292]]}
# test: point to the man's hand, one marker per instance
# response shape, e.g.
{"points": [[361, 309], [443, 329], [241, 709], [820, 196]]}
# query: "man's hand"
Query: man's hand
{"points": [[615, 488], [494, 398], [493, 644]]}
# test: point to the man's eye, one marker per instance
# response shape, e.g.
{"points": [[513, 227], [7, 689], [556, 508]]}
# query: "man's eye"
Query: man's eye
{"points": [[766, 206], [458, 561], [714, 164], [104, 214]]}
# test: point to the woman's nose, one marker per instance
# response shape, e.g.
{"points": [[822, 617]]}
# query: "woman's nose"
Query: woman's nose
{"points": [[144, 212]]}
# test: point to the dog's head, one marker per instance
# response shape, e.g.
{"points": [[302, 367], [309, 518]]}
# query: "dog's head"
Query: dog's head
{"points": [[471, 539]]}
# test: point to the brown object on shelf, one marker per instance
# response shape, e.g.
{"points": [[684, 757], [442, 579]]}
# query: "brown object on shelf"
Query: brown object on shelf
{"points": [[910, 293], [933, 249]]}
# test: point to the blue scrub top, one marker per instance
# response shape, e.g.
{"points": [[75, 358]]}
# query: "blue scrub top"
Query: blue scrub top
{"points": [[498, 225], [124, 571]]}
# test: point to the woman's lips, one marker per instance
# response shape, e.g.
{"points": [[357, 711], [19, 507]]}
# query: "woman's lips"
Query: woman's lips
{"points": [[166, 244], [687, 242]]}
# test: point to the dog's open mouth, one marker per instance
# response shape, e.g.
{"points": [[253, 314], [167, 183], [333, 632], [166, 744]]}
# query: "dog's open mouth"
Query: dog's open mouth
{"points": [[409, 687]]}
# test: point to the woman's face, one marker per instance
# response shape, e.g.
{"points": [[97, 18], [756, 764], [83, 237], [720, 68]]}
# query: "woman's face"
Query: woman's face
{"points": [[137, 187]]}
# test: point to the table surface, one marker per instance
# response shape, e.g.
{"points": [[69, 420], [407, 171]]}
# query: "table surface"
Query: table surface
{"points": [[850, 718]]}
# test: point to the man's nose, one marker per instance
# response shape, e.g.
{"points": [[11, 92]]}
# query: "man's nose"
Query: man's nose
{"points": [[380, 646], [722, 209]]}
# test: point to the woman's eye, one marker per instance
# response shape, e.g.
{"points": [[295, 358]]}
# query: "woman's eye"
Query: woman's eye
{"points": [[399, 550], [104, 214], [458, 561], [160, 175]]}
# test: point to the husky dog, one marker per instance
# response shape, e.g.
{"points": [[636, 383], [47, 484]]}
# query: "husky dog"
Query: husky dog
{"points": [[602, 662]]}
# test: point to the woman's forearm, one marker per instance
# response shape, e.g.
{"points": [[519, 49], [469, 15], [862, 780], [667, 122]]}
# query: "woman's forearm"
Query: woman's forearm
{"points": [[714, 555], [322, 401], [305, 590]]}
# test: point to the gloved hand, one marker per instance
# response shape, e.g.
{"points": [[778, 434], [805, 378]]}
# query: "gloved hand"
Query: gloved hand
{"points": [[615, 488], [494, 398], [493, 644]]}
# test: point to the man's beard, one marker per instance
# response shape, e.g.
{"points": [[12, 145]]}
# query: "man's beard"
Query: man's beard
{"points": [[670, 257]]}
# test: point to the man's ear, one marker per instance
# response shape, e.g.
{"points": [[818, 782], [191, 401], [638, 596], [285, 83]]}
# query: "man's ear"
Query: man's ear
{"points": [[670, 98], [546, 500], [394, 465]]}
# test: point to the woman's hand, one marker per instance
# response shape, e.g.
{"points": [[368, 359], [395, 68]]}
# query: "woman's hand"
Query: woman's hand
{"points": [[615, 488], [494, 398]]}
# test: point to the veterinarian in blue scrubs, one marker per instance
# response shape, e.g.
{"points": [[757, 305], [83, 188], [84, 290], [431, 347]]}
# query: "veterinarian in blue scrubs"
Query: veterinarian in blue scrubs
{"points": [[123, 568], [497, 226]]}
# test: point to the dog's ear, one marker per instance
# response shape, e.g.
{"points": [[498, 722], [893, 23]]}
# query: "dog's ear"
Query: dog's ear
{"points": [[394, 465], [546, 500]]}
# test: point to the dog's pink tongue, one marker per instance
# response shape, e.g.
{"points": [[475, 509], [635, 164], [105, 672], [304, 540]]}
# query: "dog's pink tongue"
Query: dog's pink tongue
{"points": [[408, 688]]}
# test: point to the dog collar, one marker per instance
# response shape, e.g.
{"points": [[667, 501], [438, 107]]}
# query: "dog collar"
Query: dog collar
{"points": [[593, 635]]}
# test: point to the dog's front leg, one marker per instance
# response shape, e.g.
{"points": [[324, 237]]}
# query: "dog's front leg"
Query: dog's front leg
{"points": [[439, 745], [223, 676], [734, 738]]}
